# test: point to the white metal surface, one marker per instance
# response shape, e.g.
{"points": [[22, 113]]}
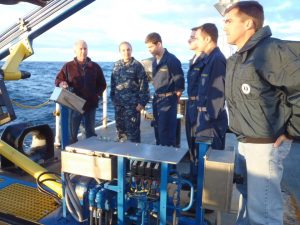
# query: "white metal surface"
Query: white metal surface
{"points": [[57, 125], [68, 99], [89, 165], [144, 152], [104, 115]]}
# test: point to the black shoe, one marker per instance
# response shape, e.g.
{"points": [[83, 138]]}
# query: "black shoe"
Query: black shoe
{"points": [[208, 211]]}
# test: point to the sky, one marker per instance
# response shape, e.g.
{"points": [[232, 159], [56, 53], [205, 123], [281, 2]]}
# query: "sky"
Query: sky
{"points": [[104, 24]]}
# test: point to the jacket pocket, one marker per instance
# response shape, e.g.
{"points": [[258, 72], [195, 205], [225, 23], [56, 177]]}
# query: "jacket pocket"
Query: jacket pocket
{"points": [[249, 85]]}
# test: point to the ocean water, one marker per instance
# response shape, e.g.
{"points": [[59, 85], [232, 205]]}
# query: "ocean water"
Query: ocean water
{"points": [[39, 87]]}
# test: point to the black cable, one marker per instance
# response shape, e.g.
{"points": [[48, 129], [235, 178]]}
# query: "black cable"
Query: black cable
{"points": [[75, 206], [41, 188], [56, 198]]}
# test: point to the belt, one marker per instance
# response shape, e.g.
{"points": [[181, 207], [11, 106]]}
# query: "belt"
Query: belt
{"points": [[258, 140], [165, 94], [193, 98], [202, 109]]}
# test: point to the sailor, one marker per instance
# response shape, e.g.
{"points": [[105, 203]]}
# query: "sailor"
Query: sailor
{"points": [[129, 94], [168, 82], [193, 75], [212, 116]]}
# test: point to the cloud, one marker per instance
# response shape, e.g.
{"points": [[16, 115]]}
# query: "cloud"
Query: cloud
{"points": [[104, 24], [282, 6], [286, 29]]}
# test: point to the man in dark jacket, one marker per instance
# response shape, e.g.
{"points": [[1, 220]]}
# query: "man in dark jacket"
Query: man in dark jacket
{"points": [[129, 91], [262, 85], [168, 82], [193, 81], [212, 116], [85, 78]]}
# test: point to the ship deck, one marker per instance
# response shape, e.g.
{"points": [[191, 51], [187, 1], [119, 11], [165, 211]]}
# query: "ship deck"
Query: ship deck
{"points": [[290, 181]]}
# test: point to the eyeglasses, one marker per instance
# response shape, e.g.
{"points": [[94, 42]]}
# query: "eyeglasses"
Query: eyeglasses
{"points": [[193, 38]]}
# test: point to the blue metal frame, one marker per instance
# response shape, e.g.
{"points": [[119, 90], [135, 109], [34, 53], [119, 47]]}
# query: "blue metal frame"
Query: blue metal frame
{"points": [[121, 189], [203, 147], [163, 194], [64, 204], [64, 118]]}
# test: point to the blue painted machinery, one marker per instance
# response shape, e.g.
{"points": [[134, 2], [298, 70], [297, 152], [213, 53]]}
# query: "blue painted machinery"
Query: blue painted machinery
{"points": [[137, 192]]}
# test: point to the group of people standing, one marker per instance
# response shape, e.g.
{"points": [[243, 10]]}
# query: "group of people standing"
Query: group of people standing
{"points": [[260, 83], [206, 115]]}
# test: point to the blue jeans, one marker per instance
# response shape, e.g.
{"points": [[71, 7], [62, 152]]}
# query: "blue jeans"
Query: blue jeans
{"points": [[88, 118], [260, 200]]}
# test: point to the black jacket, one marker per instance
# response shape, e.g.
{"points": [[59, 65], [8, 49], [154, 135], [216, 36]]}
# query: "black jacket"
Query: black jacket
{"points": [[263, 88]]}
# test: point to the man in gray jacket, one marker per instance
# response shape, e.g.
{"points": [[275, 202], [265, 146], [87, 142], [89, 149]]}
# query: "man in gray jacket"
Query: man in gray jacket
{"points": [[262, 92]]}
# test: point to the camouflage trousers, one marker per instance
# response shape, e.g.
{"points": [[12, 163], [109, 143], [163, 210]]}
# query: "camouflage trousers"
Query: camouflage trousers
{"points": [[128, 121]]}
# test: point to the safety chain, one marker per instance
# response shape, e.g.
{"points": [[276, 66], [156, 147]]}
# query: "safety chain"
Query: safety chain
{"points": [[29, 106]]}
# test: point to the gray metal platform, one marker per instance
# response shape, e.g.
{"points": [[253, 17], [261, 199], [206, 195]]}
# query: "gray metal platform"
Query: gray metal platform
{"points": [[290, 182], [139, 151]]}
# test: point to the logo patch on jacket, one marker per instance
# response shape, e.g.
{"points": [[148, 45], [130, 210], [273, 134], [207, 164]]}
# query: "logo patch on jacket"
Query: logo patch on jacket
{"points": [[246, 89]]}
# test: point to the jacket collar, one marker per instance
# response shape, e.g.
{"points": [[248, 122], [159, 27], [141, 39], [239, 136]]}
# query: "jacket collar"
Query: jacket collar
{"points": [[164, 57], [212, 54], [256, 38], [128, 63], [199, 58], [88, 60]]}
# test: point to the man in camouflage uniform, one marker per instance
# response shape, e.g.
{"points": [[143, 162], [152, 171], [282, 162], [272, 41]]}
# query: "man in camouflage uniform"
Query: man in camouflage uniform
{"points": [[129, 93]]}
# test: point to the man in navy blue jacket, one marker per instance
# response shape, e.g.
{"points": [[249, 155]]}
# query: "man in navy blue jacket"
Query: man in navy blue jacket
{"points": [[212, 116], [168, 82], [193, 79]]}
